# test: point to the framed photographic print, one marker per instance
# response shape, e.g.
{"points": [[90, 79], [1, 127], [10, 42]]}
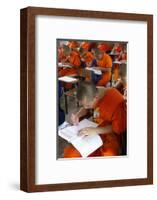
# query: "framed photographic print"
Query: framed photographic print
{"points": [[86, 99]]}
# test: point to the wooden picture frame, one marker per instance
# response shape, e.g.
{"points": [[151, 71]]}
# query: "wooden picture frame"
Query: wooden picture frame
{"points": [[27, 98]]}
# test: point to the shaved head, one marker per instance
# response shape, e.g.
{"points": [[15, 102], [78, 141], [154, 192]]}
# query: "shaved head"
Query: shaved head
{"points": [[86, 90]]}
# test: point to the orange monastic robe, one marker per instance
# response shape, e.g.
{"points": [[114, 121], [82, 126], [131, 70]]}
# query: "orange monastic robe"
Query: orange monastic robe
{"points": [[75, 61], [117, 49], [88, 57], [72, 44], [105, 47], [116, 72], [122, 57], [105, 62], [110, 110], [61, 55], [86, 45]]}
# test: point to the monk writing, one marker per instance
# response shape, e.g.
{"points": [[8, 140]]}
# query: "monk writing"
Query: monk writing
{"points": [[109, 112], [72, 59], [104, 63]]}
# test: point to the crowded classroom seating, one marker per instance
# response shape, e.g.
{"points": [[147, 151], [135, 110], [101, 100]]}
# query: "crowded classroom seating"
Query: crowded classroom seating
{"points": [[92, 84]]}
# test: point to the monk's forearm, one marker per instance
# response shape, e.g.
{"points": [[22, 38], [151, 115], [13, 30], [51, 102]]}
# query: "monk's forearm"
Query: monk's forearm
{"points": [[104, 130]]}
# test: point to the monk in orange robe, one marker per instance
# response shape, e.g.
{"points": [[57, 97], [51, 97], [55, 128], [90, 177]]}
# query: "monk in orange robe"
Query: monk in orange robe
{"points": [[121, 55], [104, 63], [84, 51], [85, 45], [117, 48], [109, 112], [88, 59], [61, 55], [73, 44], [106, 47], [73, 59]]}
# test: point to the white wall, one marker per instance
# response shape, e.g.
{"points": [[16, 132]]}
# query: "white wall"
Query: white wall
{"points": [[9, 100]]}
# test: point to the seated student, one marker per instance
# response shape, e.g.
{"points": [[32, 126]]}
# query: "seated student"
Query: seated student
{"points": [[89, 62], [106, 47], [73, 44], [85, 52], [85, 45], [117, 49], [109, 112], [104, 63], [123, 54], [121, 84], [61, 55], [73, 59], [87, 58], [94, 77]]}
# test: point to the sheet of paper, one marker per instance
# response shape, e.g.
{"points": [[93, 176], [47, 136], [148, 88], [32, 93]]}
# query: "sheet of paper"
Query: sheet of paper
{"points": [[69, 133], [67, 79], [87, 144], [63, 125], [96, 71], [117, 62], [64, 65], [89, 68]]}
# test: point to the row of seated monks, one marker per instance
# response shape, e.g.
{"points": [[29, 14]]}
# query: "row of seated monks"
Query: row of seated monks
{"points": [[98, 55], [108, 104]]}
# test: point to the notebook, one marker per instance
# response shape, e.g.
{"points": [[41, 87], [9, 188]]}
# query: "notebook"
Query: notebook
{"points": [[84, 144]]}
